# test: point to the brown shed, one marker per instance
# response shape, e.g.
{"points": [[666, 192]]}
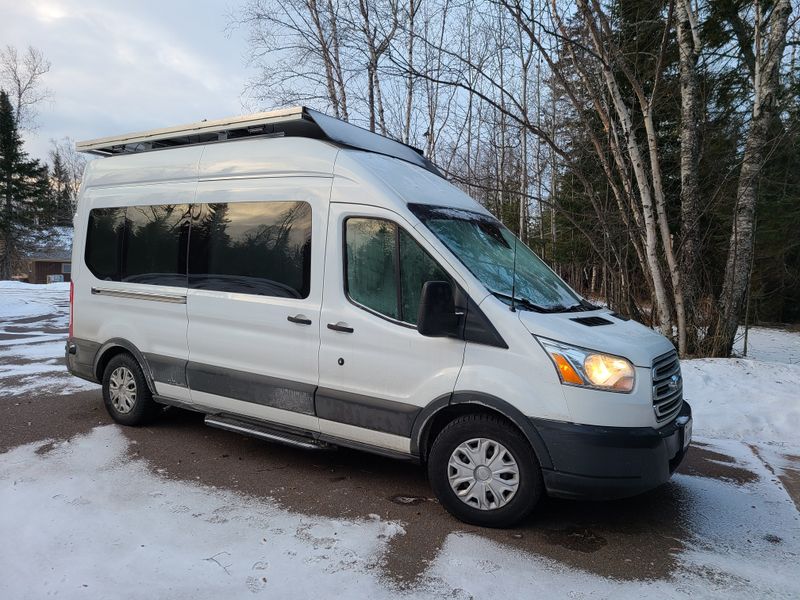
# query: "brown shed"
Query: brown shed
{"points": [[43, 265]]}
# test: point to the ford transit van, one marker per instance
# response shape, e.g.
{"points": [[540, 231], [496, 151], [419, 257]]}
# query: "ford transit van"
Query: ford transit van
{"points": [[307, 282]]}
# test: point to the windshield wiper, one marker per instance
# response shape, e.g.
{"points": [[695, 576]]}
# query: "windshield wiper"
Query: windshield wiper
{"points": [[582, 306], [522, 302]]}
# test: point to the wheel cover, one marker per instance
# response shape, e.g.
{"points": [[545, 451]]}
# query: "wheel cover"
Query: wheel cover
{"points": [[483, 474], [122, 390]]}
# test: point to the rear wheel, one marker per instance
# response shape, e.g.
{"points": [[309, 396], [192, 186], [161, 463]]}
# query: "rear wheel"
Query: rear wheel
{"points": [[484, 472], [125, 392]]}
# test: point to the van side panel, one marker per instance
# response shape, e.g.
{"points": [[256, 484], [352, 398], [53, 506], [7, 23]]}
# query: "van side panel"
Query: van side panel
{"points": [[150, 317]]}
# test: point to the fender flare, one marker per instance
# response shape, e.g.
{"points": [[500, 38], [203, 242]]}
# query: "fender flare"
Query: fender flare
{"points": [[513, 414], [126, 345]]}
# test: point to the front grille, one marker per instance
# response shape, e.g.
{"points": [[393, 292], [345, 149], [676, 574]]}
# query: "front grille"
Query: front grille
{"points": [[667, 386]]}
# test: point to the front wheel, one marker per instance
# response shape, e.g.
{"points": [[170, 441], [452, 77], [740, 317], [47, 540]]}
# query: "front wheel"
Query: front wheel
{"points": [[484, 472]]}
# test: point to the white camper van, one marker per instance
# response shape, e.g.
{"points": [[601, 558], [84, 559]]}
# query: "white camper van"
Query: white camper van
{"points": [[308, 282]]}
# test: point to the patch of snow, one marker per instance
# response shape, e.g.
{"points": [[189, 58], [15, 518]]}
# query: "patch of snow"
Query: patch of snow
{"points": [[31, 360], [26, 300], [769, 344], [744, 399], [34, 349], [98, 525]]}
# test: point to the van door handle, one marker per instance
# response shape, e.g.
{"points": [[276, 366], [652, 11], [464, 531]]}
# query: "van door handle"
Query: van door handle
{"points": [[299, 319], [340, 326]]}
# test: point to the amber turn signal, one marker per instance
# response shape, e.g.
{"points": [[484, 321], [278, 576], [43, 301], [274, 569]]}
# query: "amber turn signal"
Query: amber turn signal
{"points": [[566, 371]]}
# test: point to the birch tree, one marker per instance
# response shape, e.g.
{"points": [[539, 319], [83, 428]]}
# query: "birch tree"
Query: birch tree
{"points": [[766, 53], [21, 75]]}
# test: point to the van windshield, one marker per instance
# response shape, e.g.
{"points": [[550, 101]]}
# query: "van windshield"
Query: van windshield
{"points": [[486, 248]]}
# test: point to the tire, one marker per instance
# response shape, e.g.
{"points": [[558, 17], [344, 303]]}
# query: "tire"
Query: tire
{"points": [[134, 404], [487, 439]]}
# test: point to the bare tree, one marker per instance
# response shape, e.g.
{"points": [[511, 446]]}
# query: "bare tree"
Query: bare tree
{"points": [[765, 54], [376, 41], [74, 164], [21, 76], [296, 44]]}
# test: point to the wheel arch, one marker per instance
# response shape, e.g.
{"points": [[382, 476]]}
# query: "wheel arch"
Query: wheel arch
{"points": [[116, 346], [435, 416]]}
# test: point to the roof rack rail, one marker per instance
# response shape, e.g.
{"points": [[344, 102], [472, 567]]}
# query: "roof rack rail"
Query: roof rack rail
{"points": [[299, 121]]}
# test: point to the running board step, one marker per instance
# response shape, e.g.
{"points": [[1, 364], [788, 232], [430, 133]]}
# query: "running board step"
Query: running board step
{"points": [[265, 433]]}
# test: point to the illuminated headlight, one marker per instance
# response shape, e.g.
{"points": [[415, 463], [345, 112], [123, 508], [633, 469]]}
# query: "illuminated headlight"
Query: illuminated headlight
{"points": [[582, 367]]}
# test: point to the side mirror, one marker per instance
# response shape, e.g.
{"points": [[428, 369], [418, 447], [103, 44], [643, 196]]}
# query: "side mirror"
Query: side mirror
{"points": [[437, 310]]}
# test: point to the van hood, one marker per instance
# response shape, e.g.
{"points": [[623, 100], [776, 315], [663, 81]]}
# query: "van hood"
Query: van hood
{"points": [[629, 339]]}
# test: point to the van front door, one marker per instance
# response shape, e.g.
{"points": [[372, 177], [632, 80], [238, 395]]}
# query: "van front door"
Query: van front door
{"points": [[255, 274], [376, 370]]}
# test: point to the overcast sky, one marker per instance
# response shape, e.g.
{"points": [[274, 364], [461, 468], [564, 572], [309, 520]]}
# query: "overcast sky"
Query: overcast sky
{"points": [[121, 66]]}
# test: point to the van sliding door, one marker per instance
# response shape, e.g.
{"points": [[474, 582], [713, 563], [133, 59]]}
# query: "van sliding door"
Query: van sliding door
{"points": [[255, 275]]}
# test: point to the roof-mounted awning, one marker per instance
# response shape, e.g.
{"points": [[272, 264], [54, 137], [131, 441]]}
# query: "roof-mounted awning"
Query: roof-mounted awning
{"points": [[298, 122]]}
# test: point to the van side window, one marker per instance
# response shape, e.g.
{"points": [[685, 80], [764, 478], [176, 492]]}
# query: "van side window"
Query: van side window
{"points": [[139, 244], [155, 244], [104, 236], [385, 268], [252, 248], [371, 265]]}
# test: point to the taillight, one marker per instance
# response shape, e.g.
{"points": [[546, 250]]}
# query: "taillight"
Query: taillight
{"points": [[71, 304]]}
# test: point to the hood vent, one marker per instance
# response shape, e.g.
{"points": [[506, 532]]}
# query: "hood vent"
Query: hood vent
{"points": [[592, 321], [620, 317]]}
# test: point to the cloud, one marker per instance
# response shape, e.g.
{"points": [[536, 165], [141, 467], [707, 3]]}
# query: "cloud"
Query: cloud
{"points": [[125, 66]]}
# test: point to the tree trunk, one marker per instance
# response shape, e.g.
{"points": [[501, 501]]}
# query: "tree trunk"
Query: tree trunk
{"points": [[412, 11], [740, 252], [689, 49], [643, 182]]}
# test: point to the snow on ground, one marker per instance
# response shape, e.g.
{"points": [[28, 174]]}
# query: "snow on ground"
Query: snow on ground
{"points": [[87, 521], [744, 399], [769, 344], [107, 527], [33, 329], [24, 300], [755, 398]]}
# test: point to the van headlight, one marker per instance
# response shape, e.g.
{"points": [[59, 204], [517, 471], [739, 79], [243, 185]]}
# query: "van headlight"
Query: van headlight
{"points": [[582, 367]]}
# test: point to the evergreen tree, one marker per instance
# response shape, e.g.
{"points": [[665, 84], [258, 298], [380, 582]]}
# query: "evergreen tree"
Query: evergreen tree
{"points": [[61, 192], [24, 190]]}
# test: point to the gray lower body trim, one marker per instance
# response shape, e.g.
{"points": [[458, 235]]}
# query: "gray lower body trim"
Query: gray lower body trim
{"points": [[365, 411], [166, 369], [249, 387], [377, 414], [80, 361]]}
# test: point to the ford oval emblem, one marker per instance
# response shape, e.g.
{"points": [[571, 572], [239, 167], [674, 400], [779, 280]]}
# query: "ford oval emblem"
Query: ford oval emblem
{"points": [[674, 382]]}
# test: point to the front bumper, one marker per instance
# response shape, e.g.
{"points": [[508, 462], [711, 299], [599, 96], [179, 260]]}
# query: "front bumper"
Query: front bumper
{"points": [[603, 463]]}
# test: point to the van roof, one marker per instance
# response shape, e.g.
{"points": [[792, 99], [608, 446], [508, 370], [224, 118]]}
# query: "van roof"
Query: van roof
{"points": [[298, 121]]}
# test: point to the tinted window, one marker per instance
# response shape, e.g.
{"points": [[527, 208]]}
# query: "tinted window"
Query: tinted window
{"points": [[382, 259], [252, 247], [371, 264], [155, 244], [104, 242]]}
